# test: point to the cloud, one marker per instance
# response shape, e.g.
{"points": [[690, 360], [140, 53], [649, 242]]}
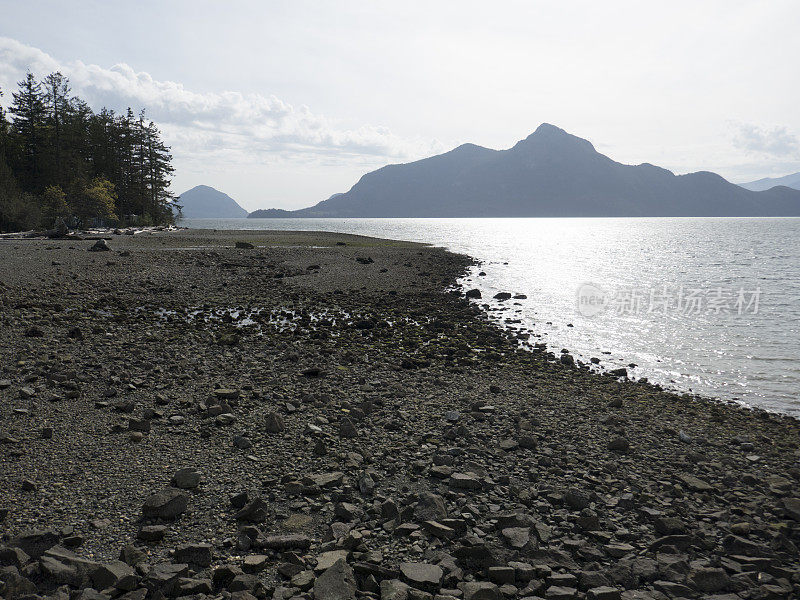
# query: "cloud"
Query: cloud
{"points": [[778, 142], [224, 126]]}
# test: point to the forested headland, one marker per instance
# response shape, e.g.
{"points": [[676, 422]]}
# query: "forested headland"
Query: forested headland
{"points": [[58, 158]]}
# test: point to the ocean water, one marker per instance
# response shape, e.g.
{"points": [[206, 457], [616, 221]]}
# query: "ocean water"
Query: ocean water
{"points": [[703, 305]]}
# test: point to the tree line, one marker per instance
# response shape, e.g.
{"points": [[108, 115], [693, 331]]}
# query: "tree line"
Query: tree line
{"points": [[58, 158]]}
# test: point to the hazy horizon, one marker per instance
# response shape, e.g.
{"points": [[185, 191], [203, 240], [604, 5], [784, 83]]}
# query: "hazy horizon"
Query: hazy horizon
{"points": [[276, 104]]}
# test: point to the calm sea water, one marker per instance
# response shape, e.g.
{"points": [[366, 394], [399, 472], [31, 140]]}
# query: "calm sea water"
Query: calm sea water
{"points": [[706, 305]]}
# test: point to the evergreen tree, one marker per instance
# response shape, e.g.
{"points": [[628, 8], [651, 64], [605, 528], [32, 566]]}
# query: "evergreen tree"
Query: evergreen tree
{"points": [[57, 106], [62, 159], [28, 129]]}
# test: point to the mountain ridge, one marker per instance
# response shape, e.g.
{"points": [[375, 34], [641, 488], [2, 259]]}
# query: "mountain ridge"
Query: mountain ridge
{"points": [[792, 181], [550, 173]]}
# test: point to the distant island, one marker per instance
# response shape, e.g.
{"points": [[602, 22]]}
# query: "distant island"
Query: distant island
{"points": [[204, 202], [551, 173], [792, 181]]}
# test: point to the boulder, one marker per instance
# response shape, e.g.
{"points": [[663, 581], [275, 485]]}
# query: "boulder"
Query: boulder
{"points": [[336, 583], [35, 542], [187, 478], [481, 590], [422, 575], [100, 246], [168, 504]]}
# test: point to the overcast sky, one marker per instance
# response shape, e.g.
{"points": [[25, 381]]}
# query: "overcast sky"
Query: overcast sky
{"points": [[281, 104]]}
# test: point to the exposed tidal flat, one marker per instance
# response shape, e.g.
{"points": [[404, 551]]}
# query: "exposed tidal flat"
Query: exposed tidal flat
{"points": [[326, 415]]}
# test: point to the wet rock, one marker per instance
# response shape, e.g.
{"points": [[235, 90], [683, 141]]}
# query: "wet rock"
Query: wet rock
{"points": [[474, 294]]}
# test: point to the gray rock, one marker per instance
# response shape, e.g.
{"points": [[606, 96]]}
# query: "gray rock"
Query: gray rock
{"points": [[430, 507], [516, 537], [347, 428], [394, 589], [465, 481], [791, 506], [422, 575], [13, 557], [194, 554], [187, 478], [254, 511], [151, 533], [603, 593], [619, 444], [168, 504], [64, 567], [35, 542], [116, 574], [577, 499], [274, 423], [481, 590], [14, 585], [709, 579], [336, 583], [100, 246], [242, 442]]}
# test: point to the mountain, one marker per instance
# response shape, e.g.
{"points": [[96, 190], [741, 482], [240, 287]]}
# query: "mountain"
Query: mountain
{"points": [[792, 181], [548, 174], [280, 213], [204, 202]]}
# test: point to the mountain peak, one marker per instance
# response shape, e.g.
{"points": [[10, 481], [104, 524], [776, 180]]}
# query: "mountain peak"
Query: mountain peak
{"points": [[206, 202], [554, 138]]}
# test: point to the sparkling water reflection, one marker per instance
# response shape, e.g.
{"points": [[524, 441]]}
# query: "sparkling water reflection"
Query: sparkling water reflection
{"points": [[751, 357]]}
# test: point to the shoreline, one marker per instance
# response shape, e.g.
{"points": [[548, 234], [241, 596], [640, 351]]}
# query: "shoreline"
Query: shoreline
{"points": [[343, 360]]}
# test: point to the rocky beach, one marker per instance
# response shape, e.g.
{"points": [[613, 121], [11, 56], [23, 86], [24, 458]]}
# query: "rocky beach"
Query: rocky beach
{"points": [[308, 415]]}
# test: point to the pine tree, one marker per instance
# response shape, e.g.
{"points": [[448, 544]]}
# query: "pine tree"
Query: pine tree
{"points": [[61, 158], [57, 106], [3, 132], [28, 129]]}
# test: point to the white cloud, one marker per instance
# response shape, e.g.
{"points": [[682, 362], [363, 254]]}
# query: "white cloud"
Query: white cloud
{"points": [[211, 127], [777, 142]]}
